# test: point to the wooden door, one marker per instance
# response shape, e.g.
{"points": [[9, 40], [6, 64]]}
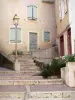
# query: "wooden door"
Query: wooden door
{"points": [[62, 46]]}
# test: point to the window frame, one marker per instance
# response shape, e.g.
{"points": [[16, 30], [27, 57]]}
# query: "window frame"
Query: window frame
{"points": [[44, 36], [32, 7], [63, 8]]}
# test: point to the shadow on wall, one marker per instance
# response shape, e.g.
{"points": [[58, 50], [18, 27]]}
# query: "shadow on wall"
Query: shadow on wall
{"points": [[5, 62]]}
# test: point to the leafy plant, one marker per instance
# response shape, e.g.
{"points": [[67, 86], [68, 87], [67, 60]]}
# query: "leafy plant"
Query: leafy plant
{"points": [[61, 63], [70, 58], [45, 73], [19, 52]]}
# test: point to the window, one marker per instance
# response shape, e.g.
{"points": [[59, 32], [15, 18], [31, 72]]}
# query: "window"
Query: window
{"points": [[32, 12], [65, 3], [62, 8], [60, 12], [46, 36], [13, 35]]}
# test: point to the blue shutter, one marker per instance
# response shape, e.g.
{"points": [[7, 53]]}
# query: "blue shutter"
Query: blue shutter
{"points": [[18, 35], [46, 36], [34, 12], [12, 35], [29, 12]]}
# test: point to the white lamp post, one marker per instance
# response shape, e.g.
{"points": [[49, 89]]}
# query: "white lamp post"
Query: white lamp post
{"points": [[15, 21]]}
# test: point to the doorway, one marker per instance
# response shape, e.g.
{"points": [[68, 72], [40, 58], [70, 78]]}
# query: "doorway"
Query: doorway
{"points": [[32, 41], [69, 41], [62, 45]]}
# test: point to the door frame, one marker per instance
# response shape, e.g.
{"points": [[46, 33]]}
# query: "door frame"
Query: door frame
{"points": [[69, 47], [29, 39], [62, 48]]}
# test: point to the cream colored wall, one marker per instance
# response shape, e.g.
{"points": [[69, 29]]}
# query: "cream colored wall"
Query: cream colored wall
{"points": [[72, 23], [61, 25], [45, 21]]}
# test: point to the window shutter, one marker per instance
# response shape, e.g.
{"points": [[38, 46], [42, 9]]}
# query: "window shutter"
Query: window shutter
{"points": [[60, 10], [65, 4], [18, 35], [63, 8], [46, 36], [12, 34], [29, 12], [34, 12]]}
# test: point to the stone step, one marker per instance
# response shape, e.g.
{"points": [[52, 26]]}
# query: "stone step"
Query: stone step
{"points": [[51, 92], [21, 77], [27, 64], [37, 92], [31, 82], [28, 67], [18, 73], [23, 66], [12, 92], [55, 95], [25, 60]]}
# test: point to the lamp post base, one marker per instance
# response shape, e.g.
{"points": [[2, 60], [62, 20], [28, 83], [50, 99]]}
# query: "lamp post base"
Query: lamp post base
{"points": [[16, 65]]}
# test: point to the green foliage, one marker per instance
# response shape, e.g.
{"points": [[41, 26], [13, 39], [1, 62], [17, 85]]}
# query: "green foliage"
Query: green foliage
{"points": [[19, 52], [70, 58], [54, 68], [45, 73], [61, 63]]}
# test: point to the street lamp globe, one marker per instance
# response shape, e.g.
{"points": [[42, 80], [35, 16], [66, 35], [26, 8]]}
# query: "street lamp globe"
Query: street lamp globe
{"points": [[15, 20]]}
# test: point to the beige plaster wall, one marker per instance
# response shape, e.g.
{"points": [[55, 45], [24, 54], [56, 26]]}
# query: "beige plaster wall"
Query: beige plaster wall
{"points": [[61, 24], [45, 21]]}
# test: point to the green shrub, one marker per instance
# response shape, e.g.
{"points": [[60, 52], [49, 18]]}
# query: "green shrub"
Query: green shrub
{"points": [[61, 63], [45, 73], [46, 66], [70, 58], [52, 69], [19, 52]]}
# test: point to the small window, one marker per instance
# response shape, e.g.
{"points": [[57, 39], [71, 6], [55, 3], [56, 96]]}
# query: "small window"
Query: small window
{"points": [[46, 36], [66, 8], [62, 8], [13, 35], [32, 12]]}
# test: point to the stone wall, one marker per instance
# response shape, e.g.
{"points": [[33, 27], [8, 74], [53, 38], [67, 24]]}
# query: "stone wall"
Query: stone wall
{"points": [[68, 74], [46, 55]]}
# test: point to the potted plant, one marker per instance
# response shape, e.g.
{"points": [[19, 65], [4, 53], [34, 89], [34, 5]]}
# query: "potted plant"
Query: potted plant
{"points": [[70, 61]]}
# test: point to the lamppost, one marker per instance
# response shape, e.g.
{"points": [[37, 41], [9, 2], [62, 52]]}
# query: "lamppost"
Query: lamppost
{"points": [[15, 21]]}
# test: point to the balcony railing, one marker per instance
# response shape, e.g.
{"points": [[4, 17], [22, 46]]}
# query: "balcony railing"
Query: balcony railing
{"points": [[48, 1]]}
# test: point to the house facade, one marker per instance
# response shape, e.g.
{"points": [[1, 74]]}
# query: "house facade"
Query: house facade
{"points": [[65, 26], [36, 28]]}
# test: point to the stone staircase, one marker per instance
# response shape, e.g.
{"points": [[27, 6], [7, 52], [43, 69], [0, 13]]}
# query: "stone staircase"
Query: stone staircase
{"points": [[27, 85]]}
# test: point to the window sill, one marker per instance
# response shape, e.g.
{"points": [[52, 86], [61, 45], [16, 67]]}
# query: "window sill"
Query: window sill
{"points": [[34, 19], [12, 42]]}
